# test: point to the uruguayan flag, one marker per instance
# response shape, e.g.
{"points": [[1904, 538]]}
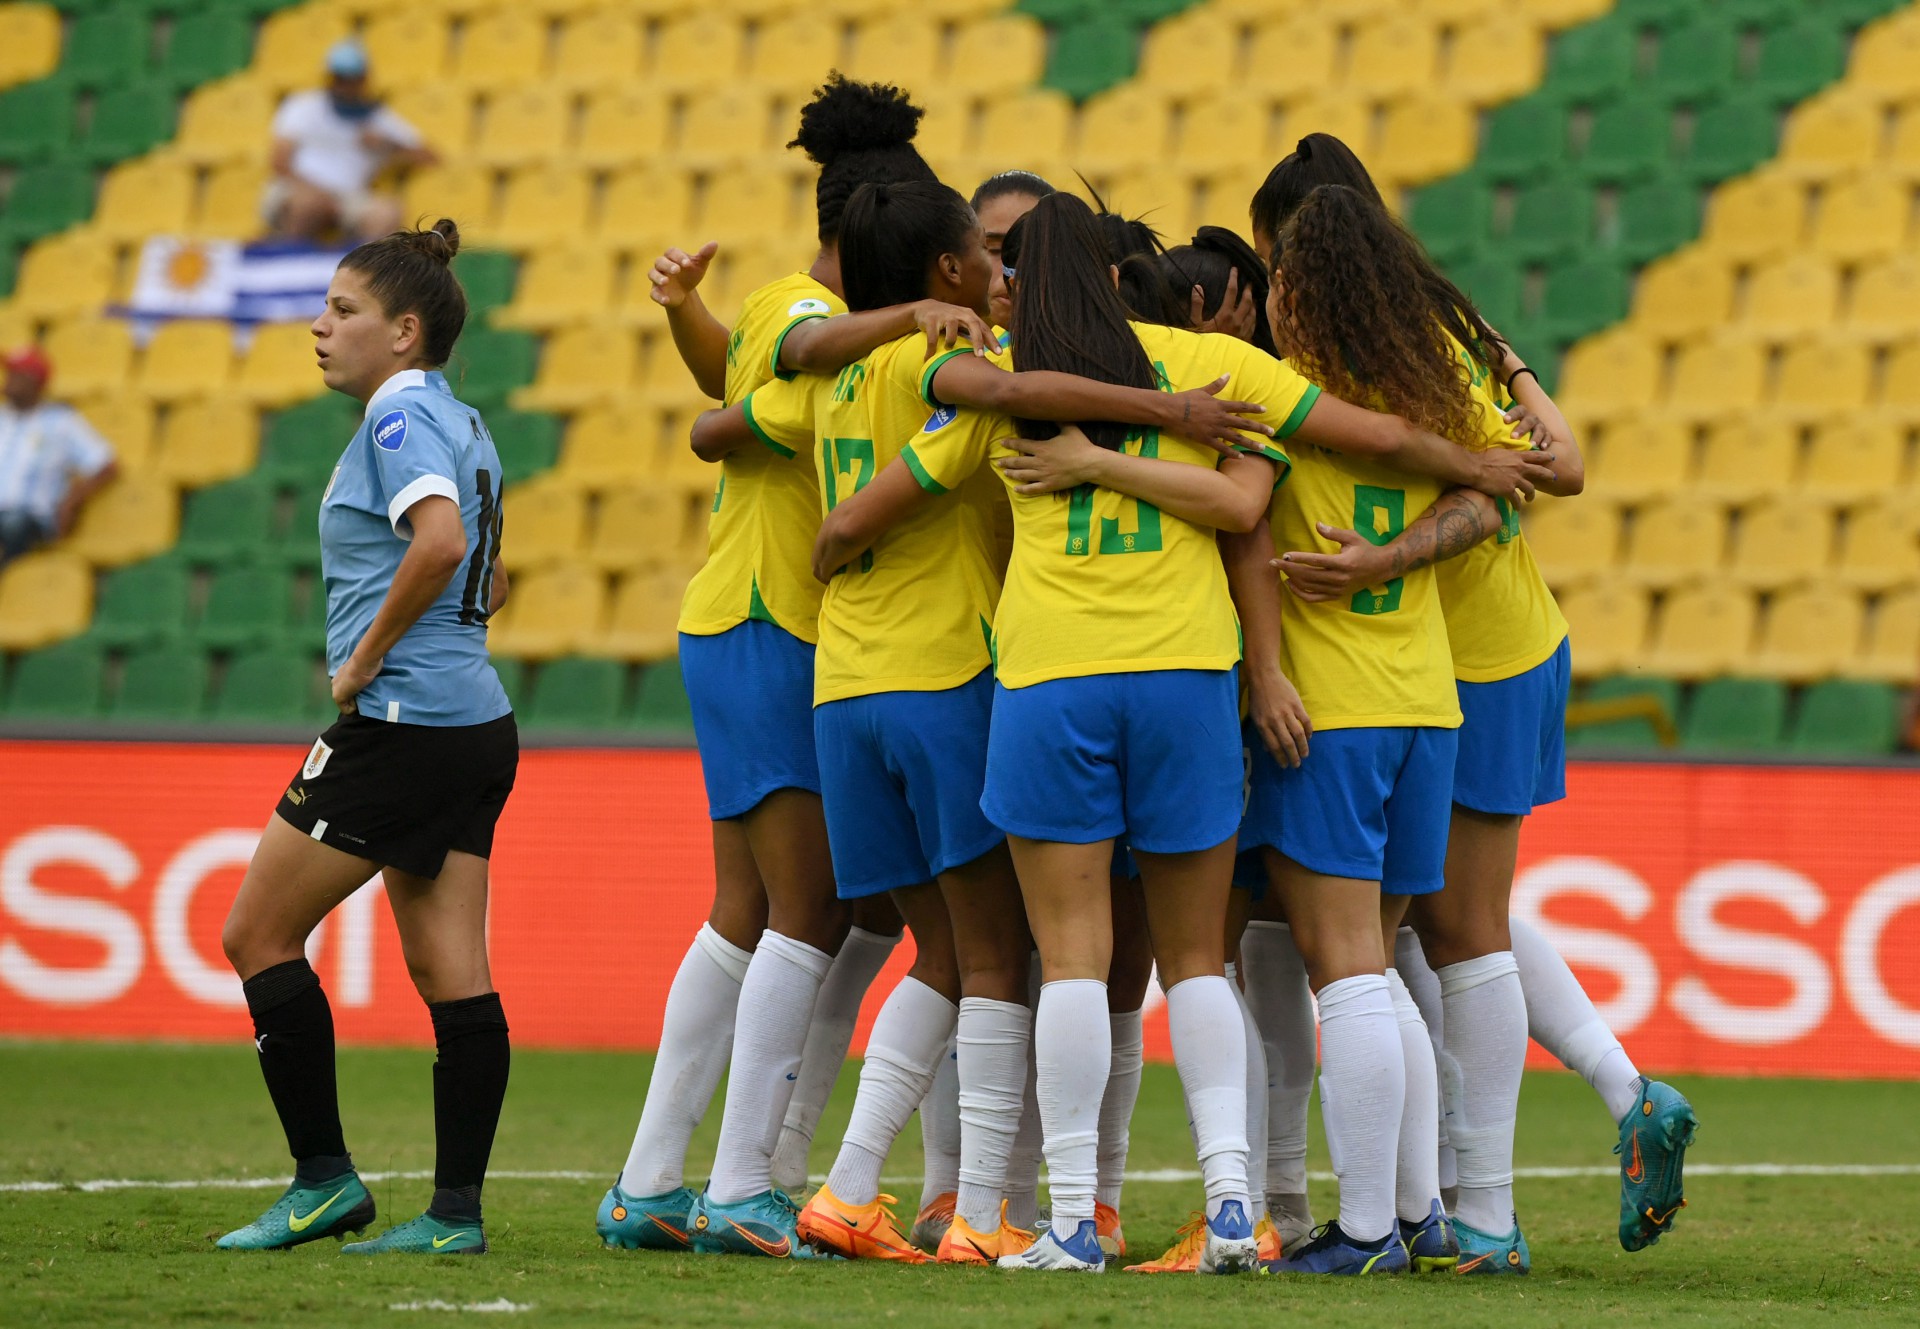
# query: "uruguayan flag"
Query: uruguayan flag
{"points": [[268, 282]]}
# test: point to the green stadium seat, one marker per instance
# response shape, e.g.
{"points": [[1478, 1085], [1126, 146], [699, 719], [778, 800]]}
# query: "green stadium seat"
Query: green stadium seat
{"points": [[1696, 63], [1800, 59], [144, 604], [1550, 221], [1494, 287], [9, 268], [46, 198], [106, 49], [1523, 138], [1091, 55], [57, 682], [206, 45], [1766, 13], [307, 629], [513, 677], [1637, 732], [299, 542], [661, 703], [1849, 12], [577, 693], [36, 121], [128, 121], [1592, 62], [300, 448], [75, 7], [1060, 11], [1629, 140], [1452, 218], [1656, 13], [487, 276], [1536, 350], [167, 683], [1843, 718], [1583, 297], [1143, 11], [267, 686], [1655, 218], [246, 606], [1729, 138], [493, 363], [1735, 715], [227, 522], [528, 442]]}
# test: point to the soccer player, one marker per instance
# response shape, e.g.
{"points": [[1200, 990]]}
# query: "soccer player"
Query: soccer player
{"points": [[409, 782]]}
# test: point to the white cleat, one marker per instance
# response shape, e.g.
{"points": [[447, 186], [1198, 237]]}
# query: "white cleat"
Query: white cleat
{"points": [[1079, 1253], [1231, 1247]]}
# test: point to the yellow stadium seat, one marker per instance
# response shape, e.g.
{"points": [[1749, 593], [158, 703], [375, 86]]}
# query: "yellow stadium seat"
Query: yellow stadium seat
{"points": [[1702, 631], [65, 274], [1900, 393], [749, 267], [229, 207], [125, 419], [1304, 46], [1493, 60], [566, 284], [90, 354], [1558, 14], [665, 381], [1795, 295], [579, 367], [694, 54], [1393, 56], [525, 125], [290, 48], [225, 120], [1863, 219], [1747, 456], [1903, 154], [1853, 459], [17, 327], [1639, 456], [548, 524], [1190, 55], [1821, 376], [1810, 634], [645, 210], [1611, 372], [1424, 137], [1162, 193], [543, 205], [502, 50], [45, 596], [1782, 544], [1686, 295], [726, 128], [135, 517], [598, 50], [1831, 134], [1574, 542], [946, 130], [554, 612], [1120, 128], [1347, 118], [1000, 55], [1885, 60], [747, 204], [623, 127], [190, 358], [1886, 300], [29, 42], [1675, 542], [443, 113], [1757, 216], [1893, 641], [1607, 625], [1029, 127], [1714, 377], [645, 618], [408, 44], [1880, 549], [637, 526], [887, 48], [207, 440], [794, 54], [611, 446], [279, 367], [1221, 133]]}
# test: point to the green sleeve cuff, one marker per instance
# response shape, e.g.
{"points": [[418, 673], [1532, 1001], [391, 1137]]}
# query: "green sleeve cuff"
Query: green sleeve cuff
{"points": [[773, 364], [933, 367], [919, 469], [746, 407], [1300, 409]]}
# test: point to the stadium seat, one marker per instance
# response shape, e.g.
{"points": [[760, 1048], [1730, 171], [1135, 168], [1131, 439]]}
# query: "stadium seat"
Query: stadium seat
{"points": [[1798, 59], [91, 354], [1794, 295], [637, 527], [493, 364], [125, 419], [559, 286], [1735, 715], [1452, 218], [1810, 634], [463, 191], [1853, 459], [1305, 45], [58, 683], [1633, 733], [1617, 370], [1840, 718], [278, 368], [230, 203], [1035, 126], [1880, 549], [187, 358], [1885, 61], [298, 543], [1820, 376], [501, 50], [1090, 55], [1628, 140], [644, 210], [206, 44], [1831, 135], [660, 702], [1781, 544], [246, 606], [1655, 217], [1583, 297], [1715, 377], [410, 40], [1863, 219], [1884, 299], [645, 615], [543, 205], [1591, 62], [1893, 641], [161, 683], [152, 195], [548, 524], [793, 53], [1659, 15], [487, 277], [883, 47], [443, 113], [999, 55], [1687, 295], [1494, 59], [144, 604], [1573, 542], [136, 516], [289, 44], [1900, 391], [300, 445], [267, 686], [29, 42], [1608, 625], [1119, 127], [747, 206], [1551, 220], [1424, 137], [1523, 139], [1760, 216], [46, 198], [207, 440], [36, 121], [692, 54], [1697, 62], [527, 443], [45, 596], [612, 446], [579, 367], [599, 49], [220, 121], [576, 693], [524, 125], [1393, 56], [1639, 456], [1702, 631], [1747, 456], [225, 523], [1675, 542], [1729, 137], [106, 49], [550, 613], [127, 120]]}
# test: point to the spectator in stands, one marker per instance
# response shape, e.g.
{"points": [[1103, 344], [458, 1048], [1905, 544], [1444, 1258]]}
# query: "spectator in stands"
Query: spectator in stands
{"points": [[328, 145], [51, 460]]}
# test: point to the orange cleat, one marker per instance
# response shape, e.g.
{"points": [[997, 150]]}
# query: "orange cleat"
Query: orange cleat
{"points": [[1106, 1226], [931, 1223], [1268, 1236], [1183, 1257], [855, 1231], [964, 1245]]}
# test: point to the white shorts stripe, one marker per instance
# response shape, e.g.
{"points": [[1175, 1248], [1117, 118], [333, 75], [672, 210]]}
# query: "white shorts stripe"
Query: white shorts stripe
{"points": [[319, 829], [393, 712]]}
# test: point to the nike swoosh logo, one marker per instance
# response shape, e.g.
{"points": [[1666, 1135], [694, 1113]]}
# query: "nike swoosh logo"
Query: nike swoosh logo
{"points": [[778, 1251], [981, 1251], [667, 1228], [438, 1242], [1636, 1170], [300, 1224], [1468, 1266]]}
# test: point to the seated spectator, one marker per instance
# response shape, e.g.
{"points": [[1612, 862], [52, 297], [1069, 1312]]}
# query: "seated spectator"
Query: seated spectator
{"points": [[51, 460], [328, 145]]}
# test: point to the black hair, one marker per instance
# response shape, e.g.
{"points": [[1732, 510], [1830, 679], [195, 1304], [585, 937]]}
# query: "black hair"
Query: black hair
{"points": [[859, 133], [408, 273], [1067, 316], [1318, 159], [1122, 236], [1214, 254], [891, 234], [1009, 182], [1145, 288]]}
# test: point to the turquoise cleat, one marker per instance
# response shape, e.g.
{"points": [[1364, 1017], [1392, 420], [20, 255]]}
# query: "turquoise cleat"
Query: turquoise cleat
{"points": [[1431, 1243], [1484, 1253], [306, 1213], [766, 1224], [428, 1234], [648, 1222], [1654, 1136]]}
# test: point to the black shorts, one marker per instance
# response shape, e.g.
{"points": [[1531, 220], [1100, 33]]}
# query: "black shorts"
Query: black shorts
{"points": [[404, 794]]}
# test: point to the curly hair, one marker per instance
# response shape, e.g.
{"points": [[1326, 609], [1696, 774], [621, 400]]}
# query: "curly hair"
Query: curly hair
{"points": [[1365, 314]]}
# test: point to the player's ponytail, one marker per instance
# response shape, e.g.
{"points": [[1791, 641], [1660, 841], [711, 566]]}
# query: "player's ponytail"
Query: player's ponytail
{"points": [[409, 272], [891, 235], [859, 133], [1318, 159], [1215, 255]]}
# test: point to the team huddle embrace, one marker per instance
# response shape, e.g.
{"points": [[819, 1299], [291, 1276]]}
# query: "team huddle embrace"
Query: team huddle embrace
{"points": [[1101, 614]]}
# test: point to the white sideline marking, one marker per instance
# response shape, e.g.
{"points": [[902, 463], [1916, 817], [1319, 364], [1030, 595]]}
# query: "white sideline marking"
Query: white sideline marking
{"points": [[498, 1305], [1148, 1176]]}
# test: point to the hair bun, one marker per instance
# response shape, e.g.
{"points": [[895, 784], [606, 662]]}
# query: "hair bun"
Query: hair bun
{"points": [[847, 117], [440, 242]]}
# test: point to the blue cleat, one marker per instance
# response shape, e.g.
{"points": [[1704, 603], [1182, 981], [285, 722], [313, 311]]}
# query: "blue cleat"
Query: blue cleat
{"points": [[428, 1234], [1231, 1247], [767, 1224], [1332, 1251], [1654, 1136], [1484, 1253], [306, 1213], [648, 1222], [1079, 1253], [1431, 1244]]}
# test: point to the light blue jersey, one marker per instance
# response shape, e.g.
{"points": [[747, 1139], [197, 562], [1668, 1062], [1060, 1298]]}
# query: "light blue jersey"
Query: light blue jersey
{"points": [[415, 441]]}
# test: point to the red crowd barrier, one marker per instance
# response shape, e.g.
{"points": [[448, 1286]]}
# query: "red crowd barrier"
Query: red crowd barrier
{"points": [[1727, 919]]}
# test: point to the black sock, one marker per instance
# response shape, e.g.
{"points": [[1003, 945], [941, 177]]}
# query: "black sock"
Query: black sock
{"points": [[469, 1082], [293, 1033]]}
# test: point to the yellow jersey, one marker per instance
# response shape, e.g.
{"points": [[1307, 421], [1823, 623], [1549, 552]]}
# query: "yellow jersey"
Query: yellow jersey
{"points": [[914, 612], [1501, 618], [766, 508], [1100, 583]]}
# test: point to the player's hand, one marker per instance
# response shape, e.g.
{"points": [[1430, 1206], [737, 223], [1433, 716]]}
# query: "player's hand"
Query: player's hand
{"points": [[1048, 465], [1236, 313], [351, 681], [947, 325], [1316, 578], [1509, 474], [1529, 426], [1280, 716], [1204, 416], [676, 272]]}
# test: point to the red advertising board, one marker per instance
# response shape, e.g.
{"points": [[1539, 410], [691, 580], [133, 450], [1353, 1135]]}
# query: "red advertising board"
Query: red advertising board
{"points": [[1726, 919]]}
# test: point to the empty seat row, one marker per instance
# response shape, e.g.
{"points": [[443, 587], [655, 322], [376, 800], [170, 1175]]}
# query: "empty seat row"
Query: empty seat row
{"points": [[71, 681], [629, 524], [1837, 717], [570, 609], [1846, 460], [1625, 369]]}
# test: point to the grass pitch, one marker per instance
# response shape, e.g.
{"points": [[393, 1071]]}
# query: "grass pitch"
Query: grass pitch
{"points": [[1751, 1249]]}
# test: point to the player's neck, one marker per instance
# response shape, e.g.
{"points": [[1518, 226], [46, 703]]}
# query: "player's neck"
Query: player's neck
{"points": [[826, 269]]}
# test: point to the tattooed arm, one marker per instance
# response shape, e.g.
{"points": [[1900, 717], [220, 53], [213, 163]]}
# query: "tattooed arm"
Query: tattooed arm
{"points": [[1458, 520]]}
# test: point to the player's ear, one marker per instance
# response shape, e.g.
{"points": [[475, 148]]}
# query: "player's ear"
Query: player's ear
{"points": [[408, 334]]}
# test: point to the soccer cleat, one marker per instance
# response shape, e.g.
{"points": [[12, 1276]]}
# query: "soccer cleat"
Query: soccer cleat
{"points": [[428, 1234], [1332, 1251], [306, 1213], [1484, 1253], [930, 1224], [855, 1231], [1079, 1253], [1654, 1136], [1106, 1223], [1431, 1243], [764, 1224], [1183, 1257], [964, 1244], [1230, 1245], [648, 1222], [1267, 1237]]}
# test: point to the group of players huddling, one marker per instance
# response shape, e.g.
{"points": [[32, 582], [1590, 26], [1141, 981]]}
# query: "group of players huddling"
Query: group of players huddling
{"points": [[1100, 611]]}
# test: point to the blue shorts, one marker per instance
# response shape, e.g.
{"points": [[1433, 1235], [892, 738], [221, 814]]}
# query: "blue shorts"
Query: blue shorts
{"points": [[902, 773], [1153, 756], [1513, 746], [1373, 804], [751, 690]]}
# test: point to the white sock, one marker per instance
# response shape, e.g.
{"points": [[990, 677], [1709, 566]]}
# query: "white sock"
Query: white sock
{"points": [[1282, 1006], [1417, 1175], [1363, 1087], [1424, 984], [1201, 1016], [994, 1042], [695, 1039], [1485, 1053], [1116, 1108], [776, 1006], [1072, 1055], [940, 1131], [1561, 1018], [1257, 1088], [1023, 1160], [835, 1012], [908, 1043]]}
